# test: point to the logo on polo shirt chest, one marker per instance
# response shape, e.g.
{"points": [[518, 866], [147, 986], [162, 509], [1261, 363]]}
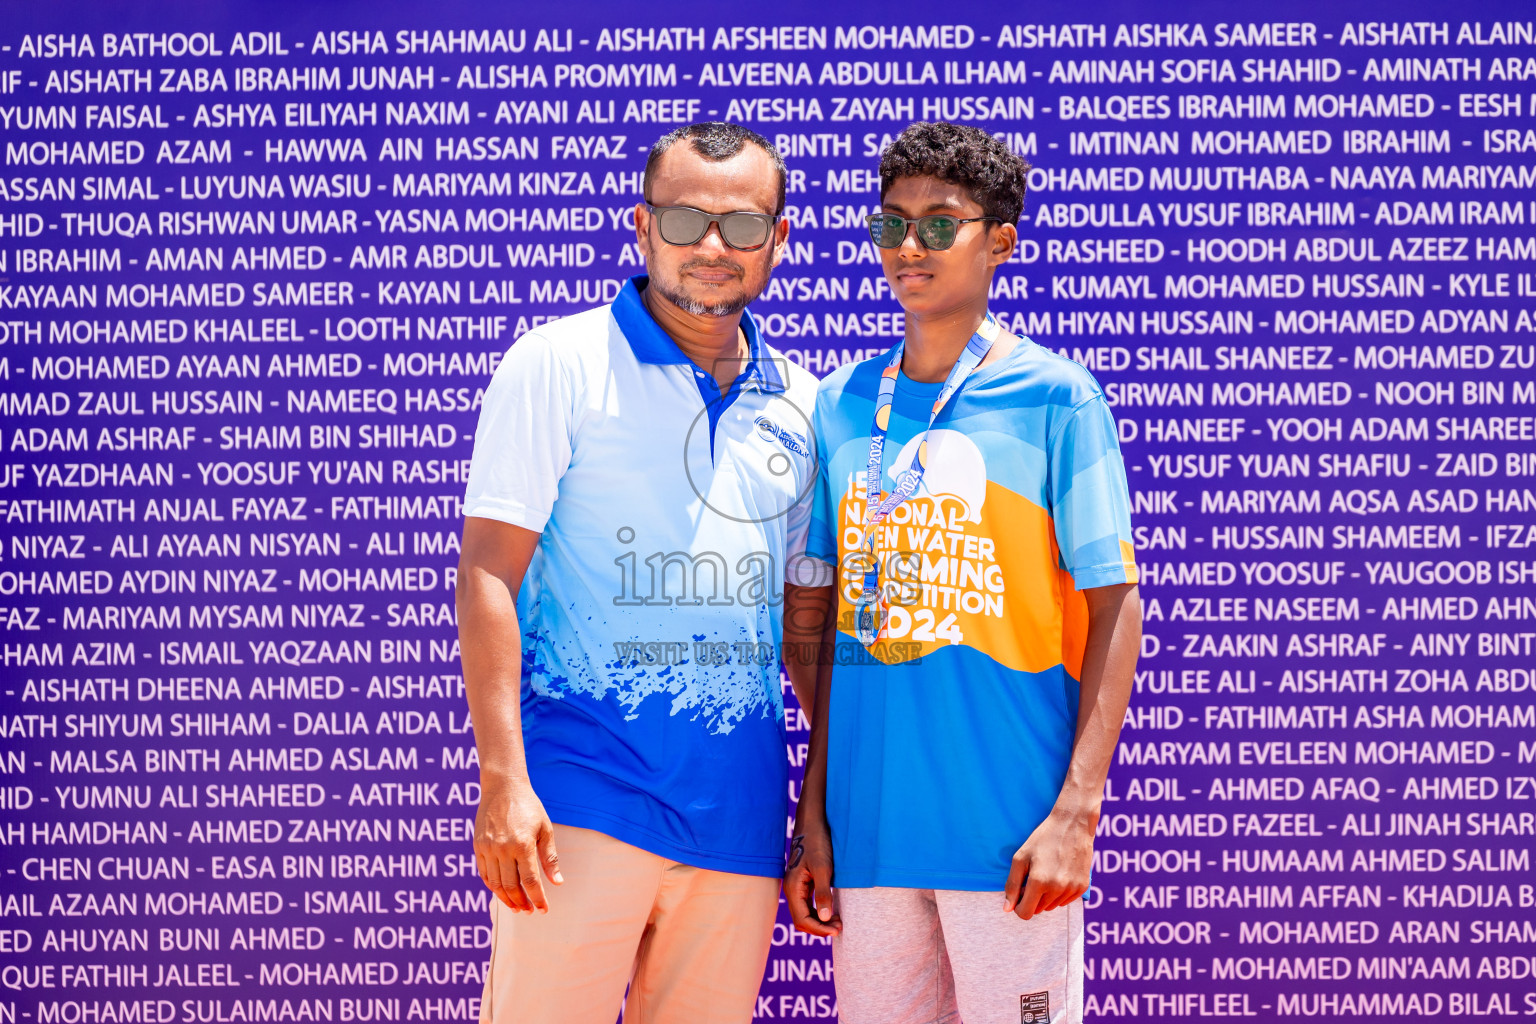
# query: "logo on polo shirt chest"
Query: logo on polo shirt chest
{"points": [[788, 438]]}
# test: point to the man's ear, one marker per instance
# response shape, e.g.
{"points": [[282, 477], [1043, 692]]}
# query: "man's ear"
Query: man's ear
{"points": [[780, 240], [1003, 244], [643, 230]]}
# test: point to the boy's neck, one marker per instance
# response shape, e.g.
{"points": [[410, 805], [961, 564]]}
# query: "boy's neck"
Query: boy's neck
{"points": [[933, 343]]}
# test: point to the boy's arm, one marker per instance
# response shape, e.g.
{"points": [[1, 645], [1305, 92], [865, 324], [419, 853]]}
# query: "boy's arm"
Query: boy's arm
{"points": [[806, 611], [808, 877], [1051, 869]]}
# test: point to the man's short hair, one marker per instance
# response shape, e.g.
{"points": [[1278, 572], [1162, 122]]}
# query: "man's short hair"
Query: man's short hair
{"points": [[960, 155], [714, 140]]}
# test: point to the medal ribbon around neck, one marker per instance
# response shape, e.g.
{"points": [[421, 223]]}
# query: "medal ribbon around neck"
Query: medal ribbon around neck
{"points": [[872, 609]]}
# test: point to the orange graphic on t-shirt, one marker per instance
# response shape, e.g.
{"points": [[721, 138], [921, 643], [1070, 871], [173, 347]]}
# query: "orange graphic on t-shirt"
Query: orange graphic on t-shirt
{"points": [[995, 585]]}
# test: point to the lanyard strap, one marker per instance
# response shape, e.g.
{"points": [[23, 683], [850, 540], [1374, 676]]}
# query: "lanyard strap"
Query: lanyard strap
{"points": [[878, 505]]}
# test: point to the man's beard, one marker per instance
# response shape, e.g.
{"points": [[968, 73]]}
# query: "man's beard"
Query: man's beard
{"points": [[694, 306]]}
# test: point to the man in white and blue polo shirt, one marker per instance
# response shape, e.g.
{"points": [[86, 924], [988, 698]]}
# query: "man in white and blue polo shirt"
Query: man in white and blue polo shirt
{"points": [[634, 508]]}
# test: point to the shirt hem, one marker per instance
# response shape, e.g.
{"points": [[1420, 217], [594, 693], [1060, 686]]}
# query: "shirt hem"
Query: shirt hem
{"points": [[634, 835], [886, 878], [810, 571], [1105, 575], [527, 518]]}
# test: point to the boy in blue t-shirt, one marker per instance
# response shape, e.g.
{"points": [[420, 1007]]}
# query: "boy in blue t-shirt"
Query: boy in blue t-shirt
{"points": [[972, 499]]}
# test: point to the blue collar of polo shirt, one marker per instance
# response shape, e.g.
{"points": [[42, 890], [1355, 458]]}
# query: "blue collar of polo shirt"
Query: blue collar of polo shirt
{"points": [[651, 344]]}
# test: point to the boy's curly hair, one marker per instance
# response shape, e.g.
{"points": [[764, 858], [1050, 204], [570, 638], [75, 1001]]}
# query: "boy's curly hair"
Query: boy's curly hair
{"points": [[961, 155]]}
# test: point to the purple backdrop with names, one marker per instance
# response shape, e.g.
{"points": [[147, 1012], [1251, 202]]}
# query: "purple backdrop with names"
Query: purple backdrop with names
{"points": [[258, 261]]}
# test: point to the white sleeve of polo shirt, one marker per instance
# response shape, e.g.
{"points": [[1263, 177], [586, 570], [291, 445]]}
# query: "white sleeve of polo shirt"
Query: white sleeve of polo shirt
{"points": [[523, 442], [801, 569]]}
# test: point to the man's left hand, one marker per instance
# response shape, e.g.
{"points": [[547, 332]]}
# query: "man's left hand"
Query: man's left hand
{"points": [[1051, 868]]}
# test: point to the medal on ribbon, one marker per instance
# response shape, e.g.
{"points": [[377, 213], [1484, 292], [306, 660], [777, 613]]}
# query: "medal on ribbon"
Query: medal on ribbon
{"points": [[872, 608]]}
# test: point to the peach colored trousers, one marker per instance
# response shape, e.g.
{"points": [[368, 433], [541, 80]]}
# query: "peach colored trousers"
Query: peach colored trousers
{"points": [[689, 943]]}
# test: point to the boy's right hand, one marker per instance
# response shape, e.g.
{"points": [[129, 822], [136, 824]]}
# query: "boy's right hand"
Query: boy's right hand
{"points": [[808, 883], [515, 844]]}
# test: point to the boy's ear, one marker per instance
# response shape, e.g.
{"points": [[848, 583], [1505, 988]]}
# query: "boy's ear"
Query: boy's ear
{"points": [[1003, 244]]}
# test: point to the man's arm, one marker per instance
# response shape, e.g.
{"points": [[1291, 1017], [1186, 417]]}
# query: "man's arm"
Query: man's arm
{"points": [[808, 877], [513, 835], [1051, 868]]}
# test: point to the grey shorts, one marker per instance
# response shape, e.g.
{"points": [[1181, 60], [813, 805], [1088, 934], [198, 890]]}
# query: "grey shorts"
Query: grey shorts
{"points": [[934, 956]]}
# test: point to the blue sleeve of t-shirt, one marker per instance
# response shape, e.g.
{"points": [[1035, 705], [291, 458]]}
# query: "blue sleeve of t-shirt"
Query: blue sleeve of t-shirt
{"points": [[1090, 502]]}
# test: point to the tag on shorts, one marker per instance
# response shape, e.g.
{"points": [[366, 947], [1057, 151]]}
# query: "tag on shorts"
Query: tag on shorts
{"points": [[1035, 1008]]}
